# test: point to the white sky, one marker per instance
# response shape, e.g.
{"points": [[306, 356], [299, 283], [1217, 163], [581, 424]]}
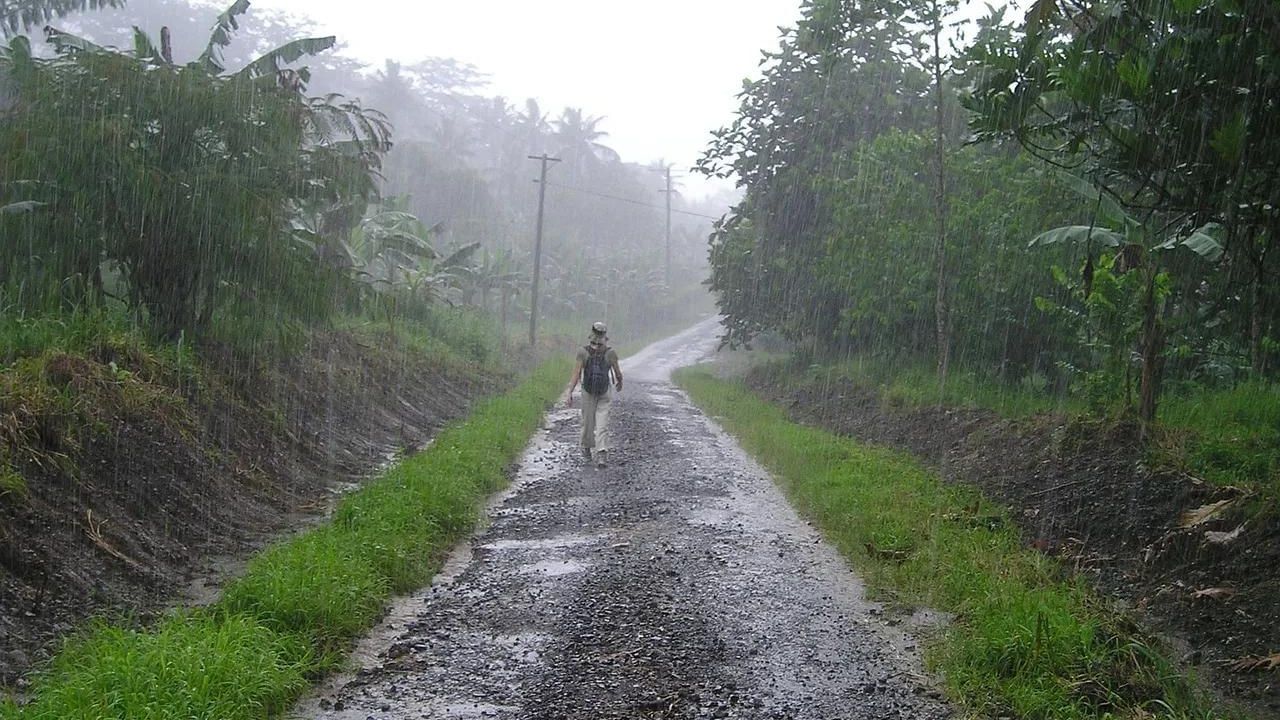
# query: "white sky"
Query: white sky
{"points": [[664, 73]]}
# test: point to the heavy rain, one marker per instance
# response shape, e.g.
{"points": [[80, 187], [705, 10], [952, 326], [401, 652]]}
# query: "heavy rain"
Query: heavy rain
{"points": [[781, 359]]}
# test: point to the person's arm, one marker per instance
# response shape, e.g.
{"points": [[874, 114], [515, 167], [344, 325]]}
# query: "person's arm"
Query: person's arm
{"points": [[577, 376], [617, 374]]}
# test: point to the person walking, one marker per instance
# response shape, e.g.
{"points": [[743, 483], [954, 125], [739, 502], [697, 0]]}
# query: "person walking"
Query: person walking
{"points": [[595, 362]]}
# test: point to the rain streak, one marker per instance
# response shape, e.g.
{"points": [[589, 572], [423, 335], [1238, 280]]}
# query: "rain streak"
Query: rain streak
{"points": [[782, 360]]}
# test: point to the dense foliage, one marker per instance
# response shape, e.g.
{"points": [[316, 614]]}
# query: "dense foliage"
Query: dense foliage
{"points": [[1106, 220], [175, 188]]}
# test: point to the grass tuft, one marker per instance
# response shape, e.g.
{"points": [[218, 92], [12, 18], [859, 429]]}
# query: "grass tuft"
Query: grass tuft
{"points": [[190, 665], [1229, 437], [11, 481]]}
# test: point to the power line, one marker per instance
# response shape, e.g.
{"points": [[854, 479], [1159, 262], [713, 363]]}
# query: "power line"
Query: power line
{"points": [[628, 200]]}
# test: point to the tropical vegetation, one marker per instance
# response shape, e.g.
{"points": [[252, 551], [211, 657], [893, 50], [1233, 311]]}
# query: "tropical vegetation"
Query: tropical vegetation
{"points": [[1088, 206]]}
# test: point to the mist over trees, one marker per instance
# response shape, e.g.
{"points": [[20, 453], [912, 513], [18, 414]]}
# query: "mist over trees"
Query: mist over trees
{"points": [[180, 176]]}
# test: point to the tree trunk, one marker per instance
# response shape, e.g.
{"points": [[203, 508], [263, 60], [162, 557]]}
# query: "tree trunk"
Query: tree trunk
{"points": [[506, 300], [1258, 310], [1256, 315], [940, 310], [1152, 356]]}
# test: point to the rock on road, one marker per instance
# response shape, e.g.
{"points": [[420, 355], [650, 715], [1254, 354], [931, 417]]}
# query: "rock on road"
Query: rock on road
{"points": [[675, 583]]}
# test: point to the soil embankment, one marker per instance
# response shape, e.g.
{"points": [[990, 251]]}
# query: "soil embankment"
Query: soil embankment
{"points": [[157, 500], [1083, 493]]}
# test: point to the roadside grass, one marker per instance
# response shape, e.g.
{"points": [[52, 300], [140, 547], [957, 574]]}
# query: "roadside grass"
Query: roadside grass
{"points": [[1026, 639], [445, 334], [27, 335], [302, 602], [914, 384], [1228, 437], [190, 665], [62, 380]]}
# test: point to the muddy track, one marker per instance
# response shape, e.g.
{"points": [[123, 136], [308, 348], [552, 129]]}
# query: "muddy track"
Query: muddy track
{"points": [[676, 583]]}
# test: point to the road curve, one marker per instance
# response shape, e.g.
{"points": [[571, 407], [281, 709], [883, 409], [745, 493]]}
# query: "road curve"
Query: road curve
{"points": [[676, 583]]}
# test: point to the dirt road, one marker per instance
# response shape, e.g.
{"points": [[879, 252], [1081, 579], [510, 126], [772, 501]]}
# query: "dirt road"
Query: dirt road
{"points": [[676, 583]]}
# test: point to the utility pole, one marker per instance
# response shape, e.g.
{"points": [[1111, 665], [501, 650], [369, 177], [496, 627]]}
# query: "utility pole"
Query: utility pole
{"points": [[668, 194], [537, 245], [666, 169]]}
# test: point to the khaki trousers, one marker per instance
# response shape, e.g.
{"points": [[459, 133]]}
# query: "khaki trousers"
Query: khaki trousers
{"points": [[595, 422]]}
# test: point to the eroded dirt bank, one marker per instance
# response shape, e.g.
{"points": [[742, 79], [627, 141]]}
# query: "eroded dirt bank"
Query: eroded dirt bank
{"points": [[675, 583], [1085, 494], [161, 502]]}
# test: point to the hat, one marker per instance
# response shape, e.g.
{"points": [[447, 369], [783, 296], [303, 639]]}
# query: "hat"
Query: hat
{"points": [[598, 332]]}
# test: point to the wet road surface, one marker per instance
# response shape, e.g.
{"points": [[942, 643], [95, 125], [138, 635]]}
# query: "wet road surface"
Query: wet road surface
{"points": [[675, 583]]}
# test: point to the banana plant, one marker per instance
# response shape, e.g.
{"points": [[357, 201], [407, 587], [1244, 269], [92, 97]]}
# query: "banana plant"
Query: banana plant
{"points": [[1137, 248], [391, 254], [495, 272], [239, 152]]}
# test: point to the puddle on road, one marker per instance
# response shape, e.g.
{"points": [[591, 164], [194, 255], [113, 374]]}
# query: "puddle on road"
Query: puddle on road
{"points": [[478, 710], [553, 568], [523, 647], [551, 543], [710, 516]]}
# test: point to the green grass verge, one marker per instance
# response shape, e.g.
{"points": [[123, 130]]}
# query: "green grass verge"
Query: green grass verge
{"points": [[446, 334], [1027, 640], [301, 602], [914, 384], [1229, 437]]}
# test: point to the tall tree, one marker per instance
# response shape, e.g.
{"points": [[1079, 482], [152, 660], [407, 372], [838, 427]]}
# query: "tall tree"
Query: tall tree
{"points": [[1166, 106], [579, 137], [842, 76]]}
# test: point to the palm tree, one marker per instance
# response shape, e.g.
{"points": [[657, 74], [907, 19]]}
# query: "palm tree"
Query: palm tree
{"points": [[494, 122], [453, 139], [579, 136], [394, 89], [534, 124]]}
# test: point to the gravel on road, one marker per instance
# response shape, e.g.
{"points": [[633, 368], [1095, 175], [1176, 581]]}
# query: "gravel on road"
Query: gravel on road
{"points": [[675, 583]]}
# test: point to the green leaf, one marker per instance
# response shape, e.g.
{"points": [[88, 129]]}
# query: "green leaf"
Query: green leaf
{"points": [[1228, 140], [405, 242], [275, 61], [1203, 241], [15, 17], [22, 206], [67, 44], [223, 28], [1109, 210], [1041, 13], [1077, 234], [459, 256], [1135, 71], [144, 49]]}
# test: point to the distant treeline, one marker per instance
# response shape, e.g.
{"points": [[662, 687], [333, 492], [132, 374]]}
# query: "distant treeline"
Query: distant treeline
{"points": [[182, 176]]}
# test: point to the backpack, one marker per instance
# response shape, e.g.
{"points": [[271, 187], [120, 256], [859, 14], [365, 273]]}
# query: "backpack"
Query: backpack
{"points": [[595, 372]]}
